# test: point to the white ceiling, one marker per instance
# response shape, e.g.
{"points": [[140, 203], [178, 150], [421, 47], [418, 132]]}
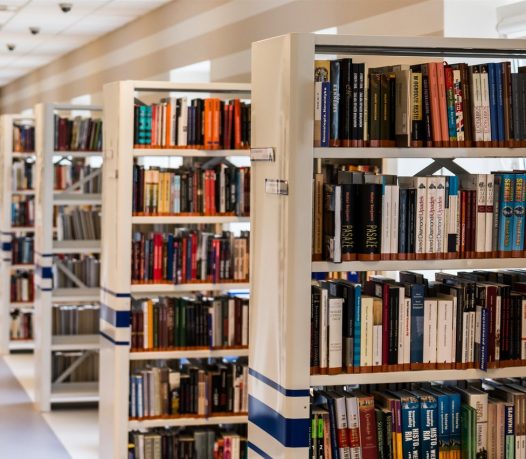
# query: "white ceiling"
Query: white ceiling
{"points": [[59, 32]]}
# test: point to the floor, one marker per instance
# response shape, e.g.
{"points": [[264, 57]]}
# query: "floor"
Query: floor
{"points": [[65, 433]]}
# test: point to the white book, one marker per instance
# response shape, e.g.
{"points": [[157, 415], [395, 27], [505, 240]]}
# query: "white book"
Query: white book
{"points": [[366, 347], [440, 218], [445, 335], [335, 332], [340, 408], [431, 197], [430, 330], [182, 123], [480, 239], [476, 97], [385, 241], [377, 345], [337, 241], [421, 211], [395, 208], [353, 422], [486, 118], [452, 328], [404, 332], [324, 336], [317, 112], [490, 181]]}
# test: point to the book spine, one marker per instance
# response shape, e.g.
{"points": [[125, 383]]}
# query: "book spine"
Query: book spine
{"points": [[366, 357], [317, 113], [476, 94], [385, 243], [417, 134], [371, 218], [395, 217], [426, 107], [480, 224], [368, 438], [459, 104], [450, 101], [490, 186], [434, 102], [345, 103], [417, 324], [325, 114], [506, 205], [493, 112], [335, 140], [484, 87], [430, 216], [421, 212], [410, 429], [518, 219], [442, 99], [357, 341]]}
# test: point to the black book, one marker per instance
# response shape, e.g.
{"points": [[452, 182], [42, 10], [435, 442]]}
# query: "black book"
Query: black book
{"points": [[315, 328], [370, 218], [394, 318], [426, 107], [417, 120], [411, 220], [385, 107], [403, 221], [346, 102], [345, 290], [361, 101], [335, 140]]}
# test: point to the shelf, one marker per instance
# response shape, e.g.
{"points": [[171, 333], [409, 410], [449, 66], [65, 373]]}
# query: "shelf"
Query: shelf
{"points": [[76, 295], [191, 153], [420, 265], [187, 219], [83, 246], [77, 154], [28, 267], [167, 422], [22, 229], [225, 88], [24, 155], [21, 304], [86, 392], [415, 376], [74, 342], [61, 198], [182, 288], [23, 192], [188, 354], [19, 345], [422, 153]]}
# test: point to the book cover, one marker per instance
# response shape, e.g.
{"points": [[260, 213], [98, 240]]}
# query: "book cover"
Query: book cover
{"points": [[442, 99], [369, 242], [518, 219], [366, 345], [335, 335], [417, 119], [450, 104], [346, 101], [335, 74], [485, 99], [506, 206], [428, 424], [368, 439]]}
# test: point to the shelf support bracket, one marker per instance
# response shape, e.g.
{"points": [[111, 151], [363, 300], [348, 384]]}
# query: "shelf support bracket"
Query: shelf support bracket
{"points": [[439, 163], [68, 371], [67, 272], [76, 186]]}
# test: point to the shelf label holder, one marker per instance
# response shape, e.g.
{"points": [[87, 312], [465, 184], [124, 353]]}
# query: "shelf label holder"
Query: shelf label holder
{"points": [[262, 154], [277, 186]]}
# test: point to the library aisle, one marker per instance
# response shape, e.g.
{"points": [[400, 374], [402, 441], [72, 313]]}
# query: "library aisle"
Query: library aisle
{"points": [[26, 434]]}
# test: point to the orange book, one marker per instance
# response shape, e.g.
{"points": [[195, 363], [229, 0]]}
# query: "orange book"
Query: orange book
{"points": [[208, 124], [442, 102], [216, 119], [436, 129], [237, 124], [149, 344], [167, 124]]}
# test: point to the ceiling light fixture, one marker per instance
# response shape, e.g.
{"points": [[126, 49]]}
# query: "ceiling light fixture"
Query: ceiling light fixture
{"points": [[34, 30], [11, 46], [65, 6]]}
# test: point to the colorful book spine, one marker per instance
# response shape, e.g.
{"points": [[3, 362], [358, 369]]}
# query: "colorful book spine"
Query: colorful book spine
{"points": [[506, 206], [518, 219]]}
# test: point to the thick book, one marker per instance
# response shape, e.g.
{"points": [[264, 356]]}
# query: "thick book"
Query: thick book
{"points": [[335, 75], [369, 241]]}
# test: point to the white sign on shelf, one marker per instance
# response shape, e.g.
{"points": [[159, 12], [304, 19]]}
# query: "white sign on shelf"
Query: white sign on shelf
{"points": [[276, 186], [262, 154]]}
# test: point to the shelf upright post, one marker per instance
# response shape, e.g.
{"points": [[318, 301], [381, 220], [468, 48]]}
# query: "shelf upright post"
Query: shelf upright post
{"points": [[280, 250]]}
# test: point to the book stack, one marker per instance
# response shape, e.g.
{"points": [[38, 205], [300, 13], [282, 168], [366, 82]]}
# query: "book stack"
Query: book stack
{"points": [[188, 256], [485, 419], [202, 391], [21, 327], [366, 216], [85, 267], [211, 124], [65, 175], [469, 320], [87, 371], [22, 250], [22, 290], [23, 138], [23, 175], [75, 320], [190, 323], [221, 189], [78, 134], [22, 211], [426, 105], [75, 223], [189, 443]]}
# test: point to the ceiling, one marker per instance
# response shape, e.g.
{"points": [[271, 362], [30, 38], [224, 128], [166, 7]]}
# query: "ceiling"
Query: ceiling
{"points": [[59, 32]]}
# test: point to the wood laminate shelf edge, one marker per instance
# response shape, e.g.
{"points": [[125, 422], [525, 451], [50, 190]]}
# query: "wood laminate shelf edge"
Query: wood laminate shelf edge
{"points": [[75, 342], [415, 376], [187, 219], [77, 246], [63, 199], [424, 153], [87, 392], [76, 295], [422, 265], [188, 354], [192, 153], [171, 288], [167, 422]]}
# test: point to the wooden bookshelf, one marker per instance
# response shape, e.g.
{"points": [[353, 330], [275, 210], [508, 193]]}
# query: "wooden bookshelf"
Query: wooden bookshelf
{"points": [[117, 226], [281, 263], [48, 392]]}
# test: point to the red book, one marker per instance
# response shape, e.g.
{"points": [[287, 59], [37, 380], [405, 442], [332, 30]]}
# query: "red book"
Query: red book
{"points": [[436, 129], [157, 257], [183, 260], [442, 96], [194, 255], [367, 427], [237, 124]]}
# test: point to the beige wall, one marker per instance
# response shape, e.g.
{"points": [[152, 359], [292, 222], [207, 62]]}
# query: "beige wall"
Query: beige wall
{"points": [[188, 31]]}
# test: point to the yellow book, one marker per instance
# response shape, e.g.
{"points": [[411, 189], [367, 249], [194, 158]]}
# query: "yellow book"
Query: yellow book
{"points": [[150, 324]]}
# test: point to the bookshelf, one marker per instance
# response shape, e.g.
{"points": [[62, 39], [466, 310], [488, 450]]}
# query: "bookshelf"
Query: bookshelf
{"points": [[117, 289], [8, 158], [49, 298], [281, 252]]}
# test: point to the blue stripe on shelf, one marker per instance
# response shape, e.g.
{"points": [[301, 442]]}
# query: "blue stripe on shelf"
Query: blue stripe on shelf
{"points": [[40, 254], [258, 450], [119, 319], [111, 340], [118, 295], [45, 272], [276, 386], [291, 433], [44, 289], [6, 246]]}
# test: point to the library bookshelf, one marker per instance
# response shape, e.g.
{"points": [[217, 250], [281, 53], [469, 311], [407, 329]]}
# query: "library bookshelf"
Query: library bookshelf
{"points": [[8, 230], [117, 290], [281, 254], [51, 392]]}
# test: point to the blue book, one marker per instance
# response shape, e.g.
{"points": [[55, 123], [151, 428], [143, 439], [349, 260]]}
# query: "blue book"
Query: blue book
{"points": [[493, 112], [357, 324], [428, 424], [509, 430], [455, 432], [506, 206], [519, 198], [410, 411], [451, 197], [484, 337], [444, 421], [416, 353], [170, 257], [325, 112], [499, 91]]}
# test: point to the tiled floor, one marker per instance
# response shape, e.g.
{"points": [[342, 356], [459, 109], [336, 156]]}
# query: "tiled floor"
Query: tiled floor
{"points": [[61, 434]]}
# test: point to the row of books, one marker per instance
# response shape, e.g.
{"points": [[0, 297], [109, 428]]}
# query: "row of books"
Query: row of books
{"points": [[87, 371], [185, 323], [78, 134], [207, 390], [23, 175], [75, 319], [21, 326], [470, 320], [22, 211], [22, 287], [187, 256], [75, 223], [211, 124], [430, 104], [370, 216], [86, 268], [66, 175], [22, 250], [23, 138], [188, 443], [221, 189]]}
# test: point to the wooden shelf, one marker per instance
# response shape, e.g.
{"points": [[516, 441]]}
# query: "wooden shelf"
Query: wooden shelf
{"points": [[74, 342], [77, 154], [83, 246], [182, 288], [187, 219], [180, 422], [188, 153], [188, 354], [86, 392]]}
